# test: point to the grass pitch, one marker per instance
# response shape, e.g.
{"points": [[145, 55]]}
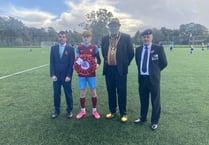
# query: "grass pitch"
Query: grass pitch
{"points": [[26, 104]]}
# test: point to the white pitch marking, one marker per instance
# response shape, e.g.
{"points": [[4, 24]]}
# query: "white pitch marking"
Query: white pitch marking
{"points": [[20, 72]]}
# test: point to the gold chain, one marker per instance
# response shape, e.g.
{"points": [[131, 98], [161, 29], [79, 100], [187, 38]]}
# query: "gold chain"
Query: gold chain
{"points": [[113, 43]]}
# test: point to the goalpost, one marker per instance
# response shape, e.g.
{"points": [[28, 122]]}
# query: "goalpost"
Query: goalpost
{"points": [[47, 44]]}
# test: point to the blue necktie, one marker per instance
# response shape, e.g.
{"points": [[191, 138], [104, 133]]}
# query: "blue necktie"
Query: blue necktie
{"points": [[144, 63], [61, 51]]}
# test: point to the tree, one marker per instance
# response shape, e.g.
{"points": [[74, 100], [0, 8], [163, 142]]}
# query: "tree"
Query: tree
{"points": [[158, 36], [97, 21], [18, 41], [137, 38], [74, 37], [187, 31], [52, 34], [14, 33]]}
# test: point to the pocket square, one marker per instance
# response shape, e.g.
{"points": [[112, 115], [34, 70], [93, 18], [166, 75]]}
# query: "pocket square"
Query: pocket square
{"points": [[155, 57]]}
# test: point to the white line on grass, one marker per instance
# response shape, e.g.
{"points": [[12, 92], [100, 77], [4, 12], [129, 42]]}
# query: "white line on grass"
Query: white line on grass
{"points": [[20, 72]]}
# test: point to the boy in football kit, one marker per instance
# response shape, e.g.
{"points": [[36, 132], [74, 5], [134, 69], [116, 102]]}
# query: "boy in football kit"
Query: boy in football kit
{"points": [[91, 51]]}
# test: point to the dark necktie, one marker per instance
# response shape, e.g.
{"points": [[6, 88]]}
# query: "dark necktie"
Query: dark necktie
{"points": [[144, 63]]}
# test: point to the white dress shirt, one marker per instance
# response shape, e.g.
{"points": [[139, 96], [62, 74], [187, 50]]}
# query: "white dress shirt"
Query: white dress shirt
{"points": [[142, 57], [61, 49]]}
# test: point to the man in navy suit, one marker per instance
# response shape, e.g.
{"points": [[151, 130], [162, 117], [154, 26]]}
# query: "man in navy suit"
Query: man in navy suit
{"points": [[61, 70], [150, 60], [118, 52]]}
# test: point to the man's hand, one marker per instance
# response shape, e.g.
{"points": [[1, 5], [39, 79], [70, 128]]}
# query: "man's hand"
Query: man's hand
{"points": [[54, 78], [67, 79]]}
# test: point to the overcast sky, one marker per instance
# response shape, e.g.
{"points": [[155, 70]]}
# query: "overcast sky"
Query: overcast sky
{"points": [[133, 14]]}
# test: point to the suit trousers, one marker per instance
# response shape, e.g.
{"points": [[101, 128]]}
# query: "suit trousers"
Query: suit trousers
{"points": [[117, 90], [145, 89], [68, 95]]}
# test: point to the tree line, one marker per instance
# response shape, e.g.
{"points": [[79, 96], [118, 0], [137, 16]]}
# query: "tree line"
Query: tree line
{"points": [[13, 33]]}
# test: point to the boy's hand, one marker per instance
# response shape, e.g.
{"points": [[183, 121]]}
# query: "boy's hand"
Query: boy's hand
{"points": [[97, 65]]}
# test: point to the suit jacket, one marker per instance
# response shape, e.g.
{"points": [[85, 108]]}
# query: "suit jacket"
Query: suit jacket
{"points": [[62, 67], [157, 62], [124, 53]]}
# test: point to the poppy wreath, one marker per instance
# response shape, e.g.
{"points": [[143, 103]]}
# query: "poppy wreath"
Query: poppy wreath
{"points": [[85, 64]]}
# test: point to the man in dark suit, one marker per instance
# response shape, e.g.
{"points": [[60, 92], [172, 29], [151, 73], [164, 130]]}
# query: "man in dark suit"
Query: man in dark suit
{"points": [[61, 70], [150, 60], [118, 52]]}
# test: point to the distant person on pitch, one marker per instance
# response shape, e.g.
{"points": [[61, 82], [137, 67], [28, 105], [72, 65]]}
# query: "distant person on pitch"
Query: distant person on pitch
{"points": [[171, 46], [191, 49], [203, 46]]}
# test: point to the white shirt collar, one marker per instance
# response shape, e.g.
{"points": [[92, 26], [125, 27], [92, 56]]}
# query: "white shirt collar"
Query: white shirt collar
{"points": [[62, 45], [148, 46]]}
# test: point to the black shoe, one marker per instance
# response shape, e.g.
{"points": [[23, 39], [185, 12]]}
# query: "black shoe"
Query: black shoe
{"points": [[139, 121], [55, 115], [69, 115], [154, 126]]}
